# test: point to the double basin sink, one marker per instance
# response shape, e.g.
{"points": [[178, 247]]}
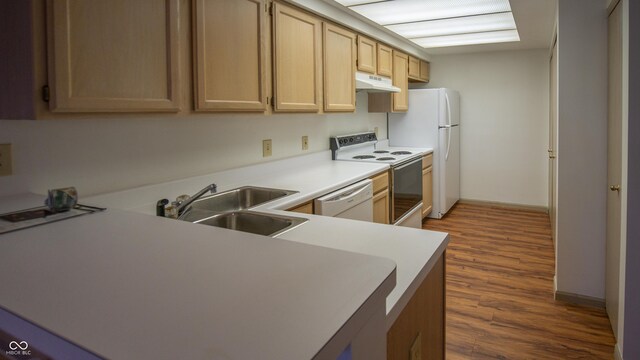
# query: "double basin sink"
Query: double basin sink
{"points": [[230, 210]]}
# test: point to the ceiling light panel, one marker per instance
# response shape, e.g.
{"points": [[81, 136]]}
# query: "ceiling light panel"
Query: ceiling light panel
{"points": [[460, 25], [468, 39], [358, 2], [403, 11]]}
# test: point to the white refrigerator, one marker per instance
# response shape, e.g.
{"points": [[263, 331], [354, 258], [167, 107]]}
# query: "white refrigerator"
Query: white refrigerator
{"points": [[433, 120]]}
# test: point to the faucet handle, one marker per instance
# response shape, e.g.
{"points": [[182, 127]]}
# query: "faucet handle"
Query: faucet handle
{"points": [[182, 198]]}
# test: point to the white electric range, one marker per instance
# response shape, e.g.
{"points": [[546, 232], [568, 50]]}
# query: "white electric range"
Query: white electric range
{"points": [[406, 172]]}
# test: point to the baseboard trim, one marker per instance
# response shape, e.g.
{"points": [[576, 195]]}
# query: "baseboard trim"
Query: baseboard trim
{"points": [[580, 299], [617, 354], [506, 205]]}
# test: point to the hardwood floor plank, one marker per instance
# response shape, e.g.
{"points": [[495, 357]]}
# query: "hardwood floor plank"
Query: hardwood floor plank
{"points": [[500, 305]]}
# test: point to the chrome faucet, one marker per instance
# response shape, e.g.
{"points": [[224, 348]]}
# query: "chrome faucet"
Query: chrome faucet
{"points": [[182, 206]]}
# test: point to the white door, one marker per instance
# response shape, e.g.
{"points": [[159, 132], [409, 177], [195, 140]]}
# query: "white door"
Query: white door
{"points": [[614, 170], [553, 137]]}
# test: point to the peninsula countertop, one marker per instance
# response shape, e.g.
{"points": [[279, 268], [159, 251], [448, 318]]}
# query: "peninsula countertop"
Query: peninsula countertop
{"points": [[280, 298]]}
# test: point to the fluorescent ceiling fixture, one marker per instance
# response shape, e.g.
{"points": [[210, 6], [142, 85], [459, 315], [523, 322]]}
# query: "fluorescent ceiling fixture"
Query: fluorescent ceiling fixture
{"points": [[402, 11], [468, 39], [460, 25], [358, 2]]}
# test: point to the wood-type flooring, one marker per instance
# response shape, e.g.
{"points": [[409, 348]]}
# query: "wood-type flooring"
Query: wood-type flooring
{"points": [[499, 286]]}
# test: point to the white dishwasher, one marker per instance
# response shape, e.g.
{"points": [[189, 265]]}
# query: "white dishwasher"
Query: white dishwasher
{"points": [[351, 202]]}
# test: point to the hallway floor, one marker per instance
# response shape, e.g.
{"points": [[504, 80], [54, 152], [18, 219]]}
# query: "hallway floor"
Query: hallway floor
{"points": [[499, 271]]}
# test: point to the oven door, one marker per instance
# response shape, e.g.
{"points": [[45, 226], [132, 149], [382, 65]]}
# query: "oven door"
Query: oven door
{"points": [[407, 187]]}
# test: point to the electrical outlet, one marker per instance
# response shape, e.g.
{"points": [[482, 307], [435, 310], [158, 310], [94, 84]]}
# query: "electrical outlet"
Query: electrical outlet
{"points": [[266, 148], [305, 142], [375, 130], [416, 348], [6, 166]]}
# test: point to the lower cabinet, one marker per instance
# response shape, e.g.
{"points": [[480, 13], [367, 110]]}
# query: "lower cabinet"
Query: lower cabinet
{"points": [[427, 185], [419, 330], [381, 198], [306, 208], [381, 207]]}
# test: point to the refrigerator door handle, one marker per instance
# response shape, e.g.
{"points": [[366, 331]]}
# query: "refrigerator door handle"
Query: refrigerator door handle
{"points": [[448, 126]]}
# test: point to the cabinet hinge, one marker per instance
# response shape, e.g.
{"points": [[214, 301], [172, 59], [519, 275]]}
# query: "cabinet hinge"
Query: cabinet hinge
{"points": [[45, 93], [271, 9], [357, 62]]}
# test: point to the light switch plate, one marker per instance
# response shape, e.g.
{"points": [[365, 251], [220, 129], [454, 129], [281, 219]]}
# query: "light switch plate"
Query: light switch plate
{"points": [[266, 148], [375, 130], [305, 142], [6, 162]]}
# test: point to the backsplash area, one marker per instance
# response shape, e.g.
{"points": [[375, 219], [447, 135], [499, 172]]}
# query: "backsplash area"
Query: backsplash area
{"points": [[102, 155]]}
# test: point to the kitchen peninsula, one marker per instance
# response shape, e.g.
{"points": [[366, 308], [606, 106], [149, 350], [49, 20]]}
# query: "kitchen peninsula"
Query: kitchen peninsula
{"points": [[126, 283]]}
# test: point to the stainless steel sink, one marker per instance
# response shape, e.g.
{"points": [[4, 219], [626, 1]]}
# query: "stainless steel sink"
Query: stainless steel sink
{"points": [[253, 222], [234, 200]]}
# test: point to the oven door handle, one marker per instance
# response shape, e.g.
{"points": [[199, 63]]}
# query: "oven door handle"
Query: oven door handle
{"points": [[406, 164]]}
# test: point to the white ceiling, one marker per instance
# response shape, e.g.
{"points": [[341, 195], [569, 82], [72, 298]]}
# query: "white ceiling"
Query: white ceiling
{"points": [[535, 20]]}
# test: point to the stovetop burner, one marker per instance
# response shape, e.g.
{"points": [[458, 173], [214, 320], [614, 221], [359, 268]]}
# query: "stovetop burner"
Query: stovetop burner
{"points": [[380, 152], [401, 153], [360, 157], [386, 158]]}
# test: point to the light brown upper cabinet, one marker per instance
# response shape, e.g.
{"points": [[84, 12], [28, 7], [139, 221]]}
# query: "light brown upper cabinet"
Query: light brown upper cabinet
{"points": [[395, 102], [113, 55], [400, 101], [424, 71], [385, 60], [297, 47], [367, 55], [414, 68], [229, 55], [339, 68]]}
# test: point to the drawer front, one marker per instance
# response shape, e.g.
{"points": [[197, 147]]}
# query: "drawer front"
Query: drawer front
{"points": [[380, 182], [427, 161]]}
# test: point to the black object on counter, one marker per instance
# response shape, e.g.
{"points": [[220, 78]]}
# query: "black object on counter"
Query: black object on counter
{"points": [[160, 207]]}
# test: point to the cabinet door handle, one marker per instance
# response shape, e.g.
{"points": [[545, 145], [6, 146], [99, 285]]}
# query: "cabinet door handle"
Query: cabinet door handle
{"points": [[614, 187], [552, 156]]}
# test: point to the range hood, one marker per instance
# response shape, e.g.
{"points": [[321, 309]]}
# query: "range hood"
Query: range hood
{"points": [[374, 83]]}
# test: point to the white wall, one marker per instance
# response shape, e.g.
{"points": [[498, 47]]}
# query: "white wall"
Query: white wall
{"points": [[504, 123], [103, 155], [582, 147]]}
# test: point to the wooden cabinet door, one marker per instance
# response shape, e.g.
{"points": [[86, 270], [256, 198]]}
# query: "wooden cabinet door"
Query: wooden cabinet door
{"points": [[113, 55], [381, 207], [339, 68], [297, 49], [306, 208], [229, 40], [424, 71], [414, 68], [385, 60], [422, 321], [427, 191], [367, 55], [401, 80]]}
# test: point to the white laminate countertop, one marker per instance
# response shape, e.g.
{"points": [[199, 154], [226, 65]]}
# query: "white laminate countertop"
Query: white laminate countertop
{"points": [[188, 266], [131, 286]]}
